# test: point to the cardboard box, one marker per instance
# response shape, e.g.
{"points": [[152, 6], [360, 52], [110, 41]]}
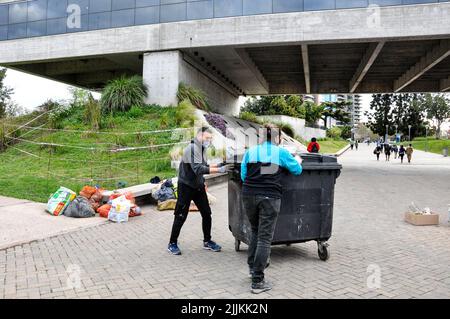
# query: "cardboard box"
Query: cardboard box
{"points": [[422, 220]]}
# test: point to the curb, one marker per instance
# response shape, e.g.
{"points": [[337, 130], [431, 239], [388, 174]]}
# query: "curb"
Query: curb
{"points": [[342, 151]]}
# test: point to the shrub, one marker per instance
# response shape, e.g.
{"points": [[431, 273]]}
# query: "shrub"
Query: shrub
{"points": [[217, 121], [185, 114], [163, 121], [334, 132], [285, 128], [135, 112], [176, 153], [195, 96], [250, 117], [346, 132], [93, 113], [121, 94]]}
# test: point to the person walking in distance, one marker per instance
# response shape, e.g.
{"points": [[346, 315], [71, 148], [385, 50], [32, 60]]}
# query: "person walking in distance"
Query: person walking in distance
{"points": [[395, 150], [401, 153], [409, 152], [387, 152], [377, 152]]}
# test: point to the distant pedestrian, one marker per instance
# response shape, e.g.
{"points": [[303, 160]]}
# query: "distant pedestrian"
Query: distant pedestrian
{"points": [[409, 152], [352, 144], [401, 153], [387, 152], [356, 144], [313, 146], [395, 150], [377, 152]]}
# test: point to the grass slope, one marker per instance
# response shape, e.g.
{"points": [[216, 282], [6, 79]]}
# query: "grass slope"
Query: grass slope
{"points": [[36, 175]]}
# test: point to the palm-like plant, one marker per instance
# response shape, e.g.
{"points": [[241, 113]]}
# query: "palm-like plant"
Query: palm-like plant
{"points": [[121, 94], [195, 96]]}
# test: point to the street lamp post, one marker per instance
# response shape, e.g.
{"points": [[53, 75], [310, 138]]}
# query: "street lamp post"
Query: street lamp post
{"points": [[409, 127], [426, 137], [396, 132], [387, 133]]}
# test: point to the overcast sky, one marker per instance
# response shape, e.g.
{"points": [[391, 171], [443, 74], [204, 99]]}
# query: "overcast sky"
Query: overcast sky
{"points": [[31, 91]]}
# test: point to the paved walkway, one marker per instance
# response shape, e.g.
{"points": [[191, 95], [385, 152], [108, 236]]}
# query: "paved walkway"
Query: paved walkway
{"points": [[369, 239], [24, 221]]}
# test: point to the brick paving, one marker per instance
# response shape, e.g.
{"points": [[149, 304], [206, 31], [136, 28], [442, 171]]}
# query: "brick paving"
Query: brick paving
{"points": [[369, 235]]}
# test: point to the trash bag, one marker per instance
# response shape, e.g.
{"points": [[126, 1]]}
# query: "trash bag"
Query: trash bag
{"points": [[80, 207], [135, 211], [171, 204], [120, 209], [128, 195], [103, 211], [88, 191], [166, 192], [59, 201], [155, 180], [167, 205]]}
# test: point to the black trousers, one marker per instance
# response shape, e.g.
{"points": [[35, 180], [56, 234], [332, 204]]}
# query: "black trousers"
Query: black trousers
{"points": [[262, 212], [187, 194]]}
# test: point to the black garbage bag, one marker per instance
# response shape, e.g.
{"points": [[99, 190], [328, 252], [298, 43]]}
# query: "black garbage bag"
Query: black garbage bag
{"points": [[80, 207]]}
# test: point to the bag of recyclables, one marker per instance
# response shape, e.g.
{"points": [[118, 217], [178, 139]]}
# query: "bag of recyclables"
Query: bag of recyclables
{"points": [[120, 209], [59, 201]]}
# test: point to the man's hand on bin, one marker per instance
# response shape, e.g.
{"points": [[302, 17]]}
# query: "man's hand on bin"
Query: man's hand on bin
{"points": [[298, 159], [226, 168]]}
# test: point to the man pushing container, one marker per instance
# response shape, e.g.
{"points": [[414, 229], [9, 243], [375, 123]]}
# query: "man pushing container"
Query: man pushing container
{"points": [[261, 172]]}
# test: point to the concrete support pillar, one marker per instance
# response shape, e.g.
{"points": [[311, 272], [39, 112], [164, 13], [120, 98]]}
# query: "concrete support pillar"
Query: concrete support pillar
{"points": [[163, 71]]}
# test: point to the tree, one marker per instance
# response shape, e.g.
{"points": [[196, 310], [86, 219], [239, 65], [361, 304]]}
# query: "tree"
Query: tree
{"points": [[337, 111], [403, 110], [312, 112], [289, 105], [362, 131], [5, 94], [13, 109], [49, 105], [437, 108], [381, 107]]}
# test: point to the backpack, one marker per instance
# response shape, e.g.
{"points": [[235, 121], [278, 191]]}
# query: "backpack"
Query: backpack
{"points": [[314, 148]]}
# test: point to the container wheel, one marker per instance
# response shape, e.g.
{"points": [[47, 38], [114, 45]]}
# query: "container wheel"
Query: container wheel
{"points": [[323, 251], [237, 244]]}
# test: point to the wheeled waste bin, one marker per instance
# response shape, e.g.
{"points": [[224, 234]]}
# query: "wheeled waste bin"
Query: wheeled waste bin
{"points": [[306, 206]]}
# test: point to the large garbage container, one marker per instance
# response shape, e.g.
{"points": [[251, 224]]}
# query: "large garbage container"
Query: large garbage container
{"points": [[306, 206]]}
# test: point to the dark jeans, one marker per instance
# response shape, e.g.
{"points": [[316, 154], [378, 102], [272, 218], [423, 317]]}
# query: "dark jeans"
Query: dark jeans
{"points": [[187, 194], [262, 213]]}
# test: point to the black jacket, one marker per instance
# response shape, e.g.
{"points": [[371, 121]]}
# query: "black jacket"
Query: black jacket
{"points": [[193, 165]]}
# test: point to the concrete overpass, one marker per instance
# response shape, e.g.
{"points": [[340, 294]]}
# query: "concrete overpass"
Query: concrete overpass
{"points": [[231, 48]]}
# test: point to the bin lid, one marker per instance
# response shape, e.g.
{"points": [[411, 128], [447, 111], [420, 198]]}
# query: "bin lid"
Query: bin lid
{"points": [[314, 161], [311, 161]]}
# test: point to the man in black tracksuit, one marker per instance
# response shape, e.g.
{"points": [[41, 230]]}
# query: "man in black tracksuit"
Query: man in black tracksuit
{"points": [[191, 187]]}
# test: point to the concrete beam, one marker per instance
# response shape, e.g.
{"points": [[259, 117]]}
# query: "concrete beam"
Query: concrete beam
{"points": [[100, 76], [444, 85], [211, 76], [424, 21], [369, 58], [80, 66], [432, 58], [248, 62], [305, 59]]}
